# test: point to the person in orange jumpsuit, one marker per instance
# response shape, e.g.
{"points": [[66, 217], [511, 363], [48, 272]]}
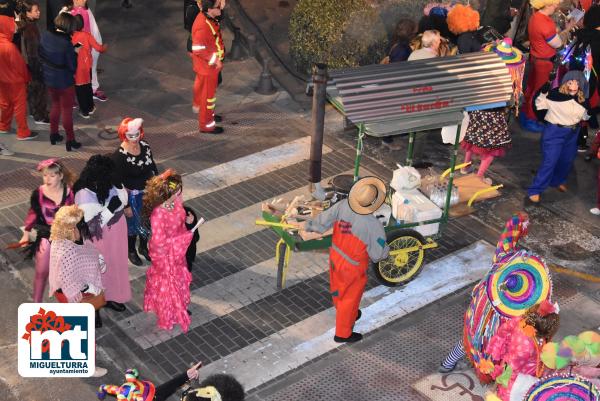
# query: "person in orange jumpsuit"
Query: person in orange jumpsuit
{"points": [[207, 59], [13, 82], [357, 238]]}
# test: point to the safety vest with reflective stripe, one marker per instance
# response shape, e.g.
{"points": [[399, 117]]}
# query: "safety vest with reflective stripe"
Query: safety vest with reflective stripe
{"points": [[207, 44]]}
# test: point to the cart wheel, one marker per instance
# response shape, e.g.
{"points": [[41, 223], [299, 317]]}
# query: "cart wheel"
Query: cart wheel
{"points": [[281, 267], [405, 266]]}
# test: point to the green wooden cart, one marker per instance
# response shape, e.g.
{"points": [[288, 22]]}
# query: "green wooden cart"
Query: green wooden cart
{"points": [[409, 97]]}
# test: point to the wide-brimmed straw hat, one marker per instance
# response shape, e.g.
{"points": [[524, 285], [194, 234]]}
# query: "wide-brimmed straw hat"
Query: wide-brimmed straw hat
{"points": [[506, 51], [367, 195]]}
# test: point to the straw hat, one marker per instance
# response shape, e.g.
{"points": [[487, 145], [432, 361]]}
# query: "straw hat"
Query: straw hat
{"points": [[508, 54], [367, 195]]}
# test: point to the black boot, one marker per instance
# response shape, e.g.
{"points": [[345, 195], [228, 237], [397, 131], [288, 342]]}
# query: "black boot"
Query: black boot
{"points": [[72, 145], [354, 337], [98, 320], [55, 138], [143, 249], [116, 306], [132, 255]]}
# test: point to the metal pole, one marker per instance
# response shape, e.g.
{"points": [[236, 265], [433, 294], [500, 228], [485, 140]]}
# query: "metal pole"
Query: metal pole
{"points": [[446, 210], [359, 149], [318, 122], [411, 148]]}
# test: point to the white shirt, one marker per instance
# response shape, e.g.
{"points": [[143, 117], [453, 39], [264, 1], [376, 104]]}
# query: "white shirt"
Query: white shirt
{"points": [[563, 113]]}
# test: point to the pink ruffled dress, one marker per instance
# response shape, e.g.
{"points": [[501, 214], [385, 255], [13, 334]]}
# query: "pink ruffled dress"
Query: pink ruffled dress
{"points": [[511, 346], [168, 280]]}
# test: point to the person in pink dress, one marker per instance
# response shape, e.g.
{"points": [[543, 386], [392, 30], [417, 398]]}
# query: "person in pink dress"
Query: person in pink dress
{"points": [[516, 349], [45, 202], [102, 200], [167, 292]]}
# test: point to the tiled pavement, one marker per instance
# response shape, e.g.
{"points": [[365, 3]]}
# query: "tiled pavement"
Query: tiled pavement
{"points": [[258, 311]]}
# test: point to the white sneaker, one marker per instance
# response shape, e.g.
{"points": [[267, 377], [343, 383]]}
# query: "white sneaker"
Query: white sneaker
{"points": [[595, 211], [4, 151], [99, 372]]}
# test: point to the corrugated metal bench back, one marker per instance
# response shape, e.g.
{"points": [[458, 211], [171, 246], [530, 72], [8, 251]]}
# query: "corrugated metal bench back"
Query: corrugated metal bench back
{"points": [[419, 95]]}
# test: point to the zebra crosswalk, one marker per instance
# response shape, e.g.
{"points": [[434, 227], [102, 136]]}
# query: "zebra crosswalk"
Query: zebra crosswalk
{"points": [[241, 323]]}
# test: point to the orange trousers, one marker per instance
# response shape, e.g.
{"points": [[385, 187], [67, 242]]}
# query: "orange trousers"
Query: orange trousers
{"points": [[347, 283], [13, 102], [205, 89]]}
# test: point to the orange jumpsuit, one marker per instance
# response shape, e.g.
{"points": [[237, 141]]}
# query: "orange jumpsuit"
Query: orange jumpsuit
{"points": [[207, 48], [14, 77], [356, 240]]}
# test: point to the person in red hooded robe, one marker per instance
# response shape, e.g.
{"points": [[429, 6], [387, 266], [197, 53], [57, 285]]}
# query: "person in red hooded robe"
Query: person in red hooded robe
{"points": [[13, 82]]}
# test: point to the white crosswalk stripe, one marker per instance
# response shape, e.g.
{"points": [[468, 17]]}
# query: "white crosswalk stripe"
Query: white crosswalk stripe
{"points": [[302, 341], [312, 337]]}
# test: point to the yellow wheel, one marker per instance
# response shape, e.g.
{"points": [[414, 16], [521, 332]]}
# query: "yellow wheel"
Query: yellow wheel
{"points": [[404, 266]]}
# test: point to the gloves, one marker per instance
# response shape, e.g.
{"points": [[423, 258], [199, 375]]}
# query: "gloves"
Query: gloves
{"points": [[545, 88], [114, 204]]}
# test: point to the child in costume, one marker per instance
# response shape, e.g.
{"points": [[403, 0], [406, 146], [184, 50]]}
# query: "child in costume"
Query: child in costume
{"points": [[487, 133], [219, 387], [75, 267], [168, 280], [90, 26], [102, 200], [84, 42], [45, 202], [516, 349], [134, 166], [358, 237], [481, 320], [565, 110]]}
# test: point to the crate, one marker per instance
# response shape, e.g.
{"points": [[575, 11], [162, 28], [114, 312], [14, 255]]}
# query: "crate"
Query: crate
{"points": [[412, 207]]}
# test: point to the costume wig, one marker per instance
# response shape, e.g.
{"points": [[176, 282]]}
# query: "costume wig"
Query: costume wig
{"points": [[545, 323], [158, 189], [130, 125], [65, 221], [462, 19], [539, 4], [97, 176], [228, 388], [591, 19]]}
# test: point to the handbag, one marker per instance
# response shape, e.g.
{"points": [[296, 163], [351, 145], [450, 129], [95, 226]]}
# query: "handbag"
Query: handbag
{"points": [[97, 301]]}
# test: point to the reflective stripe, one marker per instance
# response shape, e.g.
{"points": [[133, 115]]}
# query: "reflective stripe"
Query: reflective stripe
{"points": [[220, 51], [210, 107], [213, 59], [198, 47], [210, 125], [211, 100], [343, 255]]}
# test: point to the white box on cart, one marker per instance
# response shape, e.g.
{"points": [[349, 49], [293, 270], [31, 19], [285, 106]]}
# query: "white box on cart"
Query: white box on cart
{"points": [[412, 207]]}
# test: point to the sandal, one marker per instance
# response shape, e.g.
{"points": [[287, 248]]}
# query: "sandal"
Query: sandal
{"points": [[466, 170]]}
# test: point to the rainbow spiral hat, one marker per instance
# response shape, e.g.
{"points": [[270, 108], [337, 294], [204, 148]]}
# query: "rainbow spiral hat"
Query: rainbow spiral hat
{"points": [[560, 387]]}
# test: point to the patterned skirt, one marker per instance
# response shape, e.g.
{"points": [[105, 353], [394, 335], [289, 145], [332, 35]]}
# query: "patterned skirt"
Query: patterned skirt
{"points": [[487, 133]]}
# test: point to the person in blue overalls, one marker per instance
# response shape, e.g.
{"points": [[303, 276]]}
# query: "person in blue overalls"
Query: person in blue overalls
{"points": [[564, 111]]}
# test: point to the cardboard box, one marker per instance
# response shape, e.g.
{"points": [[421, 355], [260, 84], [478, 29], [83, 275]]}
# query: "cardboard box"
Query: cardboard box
{"points": [[411, 207]]}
